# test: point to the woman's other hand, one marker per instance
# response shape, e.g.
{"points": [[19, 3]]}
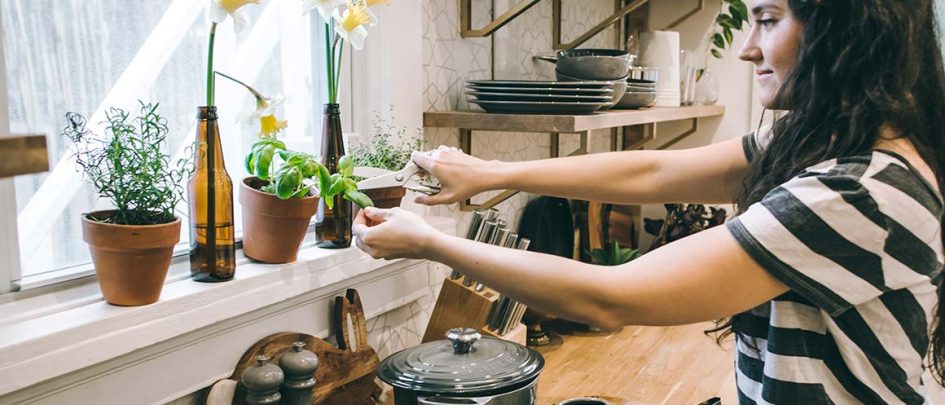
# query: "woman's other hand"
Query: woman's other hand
{"points": [[461, 176], [393, 234]]}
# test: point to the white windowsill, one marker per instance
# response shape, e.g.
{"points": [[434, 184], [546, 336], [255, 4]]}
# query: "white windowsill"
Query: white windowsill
{"points": [[50, 334]]}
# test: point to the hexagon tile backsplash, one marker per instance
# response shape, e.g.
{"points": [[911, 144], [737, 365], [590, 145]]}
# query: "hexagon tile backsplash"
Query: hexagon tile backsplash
{"points": [[448, 61]]}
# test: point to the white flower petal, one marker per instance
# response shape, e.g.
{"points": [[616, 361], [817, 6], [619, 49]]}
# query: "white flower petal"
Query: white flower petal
{"points": [[356, 37], [216, 12]]}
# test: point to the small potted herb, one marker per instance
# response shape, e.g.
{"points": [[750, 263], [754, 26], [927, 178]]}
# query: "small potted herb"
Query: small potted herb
{"points": [[389, 148], [281, 197], [133, 243]]}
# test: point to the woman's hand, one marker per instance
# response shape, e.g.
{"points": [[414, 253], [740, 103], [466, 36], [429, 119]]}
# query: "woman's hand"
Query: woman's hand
{"points": [[393, 234], [461, 176]]}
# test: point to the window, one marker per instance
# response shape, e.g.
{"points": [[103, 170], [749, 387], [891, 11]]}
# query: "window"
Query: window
{"points": [[86, 56]]}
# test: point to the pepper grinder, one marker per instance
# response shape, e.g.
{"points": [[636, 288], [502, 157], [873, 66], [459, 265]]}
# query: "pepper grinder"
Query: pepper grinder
{"points": [[262, 382], [299, 366]]}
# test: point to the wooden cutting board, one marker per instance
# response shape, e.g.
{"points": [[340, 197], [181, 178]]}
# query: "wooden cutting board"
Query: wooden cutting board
{"points": [[345, 374]]}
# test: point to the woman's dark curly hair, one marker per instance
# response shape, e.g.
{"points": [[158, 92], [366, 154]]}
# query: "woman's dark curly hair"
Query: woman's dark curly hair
{"points": [[864, 68]]}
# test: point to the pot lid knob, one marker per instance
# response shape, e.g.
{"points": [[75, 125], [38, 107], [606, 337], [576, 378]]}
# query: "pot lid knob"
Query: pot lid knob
{"points": [[463, 339]]}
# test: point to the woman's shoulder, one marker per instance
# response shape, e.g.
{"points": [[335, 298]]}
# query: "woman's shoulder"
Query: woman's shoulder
{"points": [[884, 176]]}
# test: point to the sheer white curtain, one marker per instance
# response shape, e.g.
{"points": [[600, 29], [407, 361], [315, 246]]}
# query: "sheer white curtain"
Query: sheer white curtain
{"points": [[88, 55]]}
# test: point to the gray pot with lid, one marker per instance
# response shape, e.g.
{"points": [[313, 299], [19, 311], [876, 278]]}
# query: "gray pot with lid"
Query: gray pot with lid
{"points": [[467, 368]]}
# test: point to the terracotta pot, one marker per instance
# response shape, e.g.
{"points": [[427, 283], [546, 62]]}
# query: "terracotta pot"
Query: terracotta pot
{"points": [[388, 197], [130, 261], [273, 229]]}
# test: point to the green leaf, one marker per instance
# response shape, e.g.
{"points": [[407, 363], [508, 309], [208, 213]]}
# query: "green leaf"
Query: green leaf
{"points": [[349, 184], [310, 168], [741, 7], [726, 21], [288, 182], [250, 160], [718, 40], [716, 54], [263, 161], [346, 166], [359, 198], [737, 16], [337, 186], [324, 179], [728, 35], [303, 192]]}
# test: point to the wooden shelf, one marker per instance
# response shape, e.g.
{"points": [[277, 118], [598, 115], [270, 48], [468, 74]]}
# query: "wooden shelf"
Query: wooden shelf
{"points": [[483, 121]]}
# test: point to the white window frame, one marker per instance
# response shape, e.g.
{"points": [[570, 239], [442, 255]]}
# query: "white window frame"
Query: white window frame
{"points": [[9, 245], [68, 181]]}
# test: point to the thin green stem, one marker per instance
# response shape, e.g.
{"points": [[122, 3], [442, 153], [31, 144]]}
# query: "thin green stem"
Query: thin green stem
{"points": [[257, 94], [329, 55], [210, 82], [338, 66]]}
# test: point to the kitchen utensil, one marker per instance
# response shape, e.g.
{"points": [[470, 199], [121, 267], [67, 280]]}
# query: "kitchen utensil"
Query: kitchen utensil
{"points": [[465, 369], [594, 64], [475, 225], [345, 374], [408, 177], [299, 366], [539, 107], [540, 83], [485, 236], [572, 91], [489, 96]]}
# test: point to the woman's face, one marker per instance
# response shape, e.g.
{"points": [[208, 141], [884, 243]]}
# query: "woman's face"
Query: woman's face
{"points": [[772, 45]]}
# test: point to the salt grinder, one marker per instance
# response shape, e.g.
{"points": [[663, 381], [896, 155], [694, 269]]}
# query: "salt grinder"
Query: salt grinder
{"points": [[299, 366], [262, 382]]}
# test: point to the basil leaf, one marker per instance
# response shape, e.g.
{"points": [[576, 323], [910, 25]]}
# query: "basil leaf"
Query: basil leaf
{"points": [[264, 160], [346, 166], [359, 198], [288, 182]]}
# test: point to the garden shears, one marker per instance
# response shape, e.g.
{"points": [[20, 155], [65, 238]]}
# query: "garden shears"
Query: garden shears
{"points": [[409, 177]]}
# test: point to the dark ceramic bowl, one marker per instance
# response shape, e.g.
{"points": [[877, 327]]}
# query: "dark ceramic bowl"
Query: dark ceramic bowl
{"points": [[594, 64]]}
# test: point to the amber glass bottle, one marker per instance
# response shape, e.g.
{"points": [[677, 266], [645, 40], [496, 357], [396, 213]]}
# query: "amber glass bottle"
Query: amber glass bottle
{"points": [[210, 196], [333, 226]]}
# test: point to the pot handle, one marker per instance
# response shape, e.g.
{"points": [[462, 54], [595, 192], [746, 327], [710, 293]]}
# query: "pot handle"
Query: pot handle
{"points": [[453, 401]]}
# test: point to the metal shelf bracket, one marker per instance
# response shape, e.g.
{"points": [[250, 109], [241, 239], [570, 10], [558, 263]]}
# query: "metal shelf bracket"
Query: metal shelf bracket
{"points": [[465, 18], [618, 14]]}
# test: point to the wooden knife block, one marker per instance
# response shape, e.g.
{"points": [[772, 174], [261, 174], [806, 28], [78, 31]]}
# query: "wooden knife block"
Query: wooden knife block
{"points": [[459, 306]]}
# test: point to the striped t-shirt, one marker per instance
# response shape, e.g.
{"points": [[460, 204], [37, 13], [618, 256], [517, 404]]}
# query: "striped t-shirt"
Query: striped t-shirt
{"points": [[858, 241]]}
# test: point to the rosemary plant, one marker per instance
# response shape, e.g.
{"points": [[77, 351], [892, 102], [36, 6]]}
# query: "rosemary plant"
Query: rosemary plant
{"points": [[127, 165]]}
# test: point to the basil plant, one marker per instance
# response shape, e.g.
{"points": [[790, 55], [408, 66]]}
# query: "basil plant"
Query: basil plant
{"points": [[295, 174]]}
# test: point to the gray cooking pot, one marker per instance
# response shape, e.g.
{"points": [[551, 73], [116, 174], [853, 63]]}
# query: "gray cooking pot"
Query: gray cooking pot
{"points": [[465, 369]]}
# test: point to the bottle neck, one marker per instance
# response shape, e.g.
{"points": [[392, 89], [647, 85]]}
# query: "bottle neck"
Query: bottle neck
{"points": [[208, 133], [332, 109]]}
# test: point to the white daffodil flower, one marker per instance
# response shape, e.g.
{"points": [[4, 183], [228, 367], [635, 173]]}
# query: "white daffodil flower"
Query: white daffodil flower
{"points": [[351, 25], [325, 7], [269, 124], [220, 9]]}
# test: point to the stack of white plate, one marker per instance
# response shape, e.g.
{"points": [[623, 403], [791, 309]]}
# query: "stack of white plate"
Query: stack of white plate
{"points": [[539, 97]]}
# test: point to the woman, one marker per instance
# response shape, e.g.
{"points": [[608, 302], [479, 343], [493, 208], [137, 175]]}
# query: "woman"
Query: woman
{"points": [[830, 272]]}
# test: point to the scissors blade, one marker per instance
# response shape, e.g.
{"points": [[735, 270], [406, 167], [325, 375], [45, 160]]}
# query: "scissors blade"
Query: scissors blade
{"points": [[368, 172], [387, 180]]}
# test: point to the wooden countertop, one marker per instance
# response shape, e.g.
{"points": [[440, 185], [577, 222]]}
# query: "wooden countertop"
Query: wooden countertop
{"points": [[640, 365]]}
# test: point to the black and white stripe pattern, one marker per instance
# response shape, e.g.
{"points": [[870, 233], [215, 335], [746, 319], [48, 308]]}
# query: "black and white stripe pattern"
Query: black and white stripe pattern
{"points": [[858, 241]]}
